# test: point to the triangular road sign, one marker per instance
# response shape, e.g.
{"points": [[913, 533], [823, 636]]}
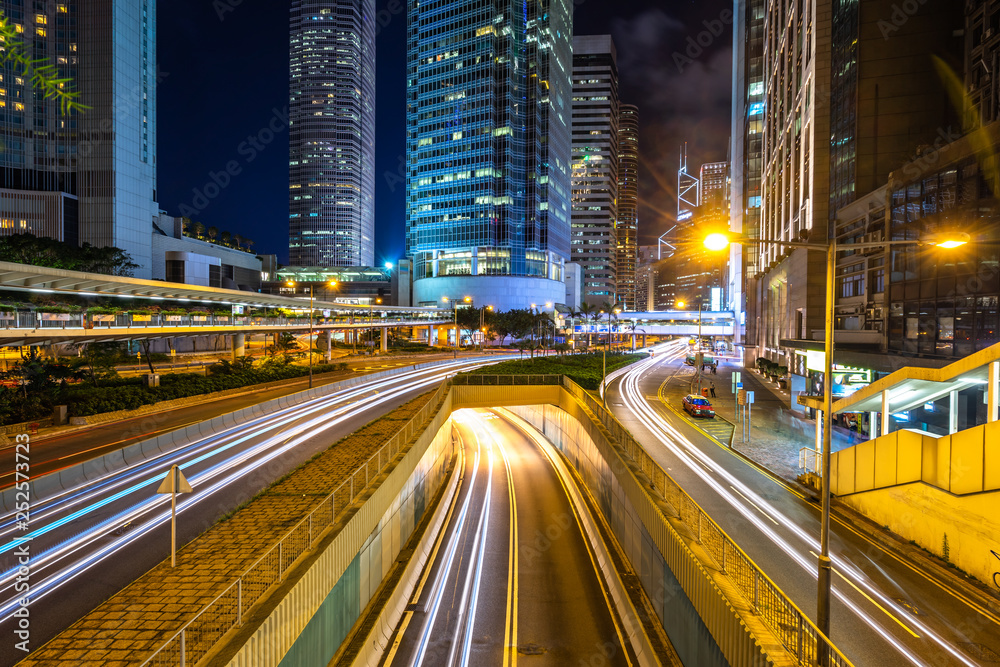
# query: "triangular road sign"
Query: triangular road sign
{"points": [[167, 485]]}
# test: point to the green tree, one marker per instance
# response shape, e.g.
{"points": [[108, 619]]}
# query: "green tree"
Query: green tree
{"points": [[212, 233], [44, 75], [101, 360], [225, 238]]}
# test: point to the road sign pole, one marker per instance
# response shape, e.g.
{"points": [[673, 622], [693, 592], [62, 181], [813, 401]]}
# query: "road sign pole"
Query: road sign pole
{"points": [[173, 520], [174, 483]]}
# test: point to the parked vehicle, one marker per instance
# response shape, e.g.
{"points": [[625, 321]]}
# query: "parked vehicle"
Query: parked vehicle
{"points": [[696, 406]]}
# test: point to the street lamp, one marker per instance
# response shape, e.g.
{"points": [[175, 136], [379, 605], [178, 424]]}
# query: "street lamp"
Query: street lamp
{"points": [[291, 283], [454, 303], [721, 241], [371, 313], [482, 323]]}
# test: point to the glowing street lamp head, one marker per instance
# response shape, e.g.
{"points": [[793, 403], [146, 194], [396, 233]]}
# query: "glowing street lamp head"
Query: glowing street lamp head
{"points": [[952, 241], [717, 241], [445, 299], [468, 299], [291, 283], [681, 304], [388, 265]]}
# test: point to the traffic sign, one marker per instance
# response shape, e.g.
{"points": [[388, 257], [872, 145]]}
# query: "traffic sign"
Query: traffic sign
{"points": [[749, 398], [741, 397], [174, 483]]}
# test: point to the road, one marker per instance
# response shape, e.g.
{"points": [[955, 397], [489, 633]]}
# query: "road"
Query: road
{"points": [[80, 553], [60, 451], [885, 611], [511, 576]]}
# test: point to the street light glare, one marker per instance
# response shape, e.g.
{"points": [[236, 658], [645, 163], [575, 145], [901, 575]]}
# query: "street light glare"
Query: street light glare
{"points": [[717, 241], [681, 304], [949, 244]]}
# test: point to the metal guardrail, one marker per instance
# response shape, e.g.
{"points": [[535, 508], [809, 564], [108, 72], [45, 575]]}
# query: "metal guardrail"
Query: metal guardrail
{"points": [[200, 634], [808, 459], [505, 380], [797, 633]]}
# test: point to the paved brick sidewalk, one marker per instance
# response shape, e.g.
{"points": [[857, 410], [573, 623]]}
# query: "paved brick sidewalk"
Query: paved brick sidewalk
{"points": [[776, 434], [136, 621]]}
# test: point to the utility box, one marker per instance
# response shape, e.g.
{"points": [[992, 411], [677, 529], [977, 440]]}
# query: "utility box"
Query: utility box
{"points": [[60, 415], [152, 380]]}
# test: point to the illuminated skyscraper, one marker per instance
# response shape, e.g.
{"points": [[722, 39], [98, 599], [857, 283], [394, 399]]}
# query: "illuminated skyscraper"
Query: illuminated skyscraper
{"points": [[594, 237], [83, 177], [331, 196], [628, 206], [488, 150]]}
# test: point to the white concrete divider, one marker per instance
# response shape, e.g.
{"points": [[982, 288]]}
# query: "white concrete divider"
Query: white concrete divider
{"points": [[81, 474], [378, 639]]}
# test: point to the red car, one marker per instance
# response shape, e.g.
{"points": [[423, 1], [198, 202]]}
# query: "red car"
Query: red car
{"points": [[696, 406]]}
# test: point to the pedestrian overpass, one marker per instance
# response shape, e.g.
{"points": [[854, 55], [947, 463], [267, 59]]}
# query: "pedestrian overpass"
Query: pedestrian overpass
{"points": [[213, 311], [664, 323]]}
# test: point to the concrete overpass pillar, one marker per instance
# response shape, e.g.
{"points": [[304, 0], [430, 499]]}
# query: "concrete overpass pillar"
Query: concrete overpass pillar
{"points": [[873, 425], [885, 413], [385, 339], [991, 391], [239, 346], [329, 345], [953, 412]]}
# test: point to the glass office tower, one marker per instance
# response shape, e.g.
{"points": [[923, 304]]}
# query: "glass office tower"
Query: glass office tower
{"points": [[83, 177], [488, 150], [331, 164]]}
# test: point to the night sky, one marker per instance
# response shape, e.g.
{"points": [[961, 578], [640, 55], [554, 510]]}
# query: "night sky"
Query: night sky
{"points": [[224, 78]]}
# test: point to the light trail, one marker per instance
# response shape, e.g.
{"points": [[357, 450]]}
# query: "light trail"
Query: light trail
{"points": [[286, 430], [689, 454]]}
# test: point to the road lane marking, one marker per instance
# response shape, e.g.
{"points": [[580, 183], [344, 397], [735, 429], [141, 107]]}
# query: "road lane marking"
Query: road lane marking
{"points": [[612, 612], [766, 515], [870, 599], [510, 622]]}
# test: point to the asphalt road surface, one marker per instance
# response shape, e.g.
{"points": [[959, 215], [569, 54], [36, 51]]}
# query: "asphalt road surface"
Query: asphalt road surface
{"points": [[61, 451], [885, 610], [512, 576], [80, 551]]}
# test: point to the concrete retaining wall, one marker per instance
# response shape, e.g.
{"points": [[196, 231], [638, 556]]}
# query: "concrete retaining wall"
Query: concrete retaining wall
{"points": [[308, 625], [90, 471]]}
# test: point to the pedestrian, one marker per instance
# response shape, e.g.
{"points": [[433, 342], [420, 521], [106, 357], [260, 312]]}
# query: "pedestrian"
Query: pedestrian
{"points": [[711, 388], [715, 368]]}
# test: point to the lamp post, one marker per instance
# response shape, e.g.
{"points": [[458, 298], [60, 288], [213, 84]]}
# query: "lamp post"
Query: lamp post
{"points": [[291, 283], [482, 323], [698, 351], [371, 313], [454, 303], [720, 241]]}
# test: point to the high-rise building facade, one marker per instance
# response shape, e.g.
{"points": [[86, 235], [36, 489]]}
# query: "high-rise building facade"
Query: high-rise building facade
{"points": [[88, 176], [747, 136], [860, 96], [488, 150], [331, 164], [594, 238], [628, 206]]}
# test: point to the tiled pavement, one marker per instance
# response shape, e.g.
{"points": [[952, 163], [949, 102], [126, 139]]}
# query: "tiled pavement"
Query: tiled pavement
{"points": [[776, 433]]}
